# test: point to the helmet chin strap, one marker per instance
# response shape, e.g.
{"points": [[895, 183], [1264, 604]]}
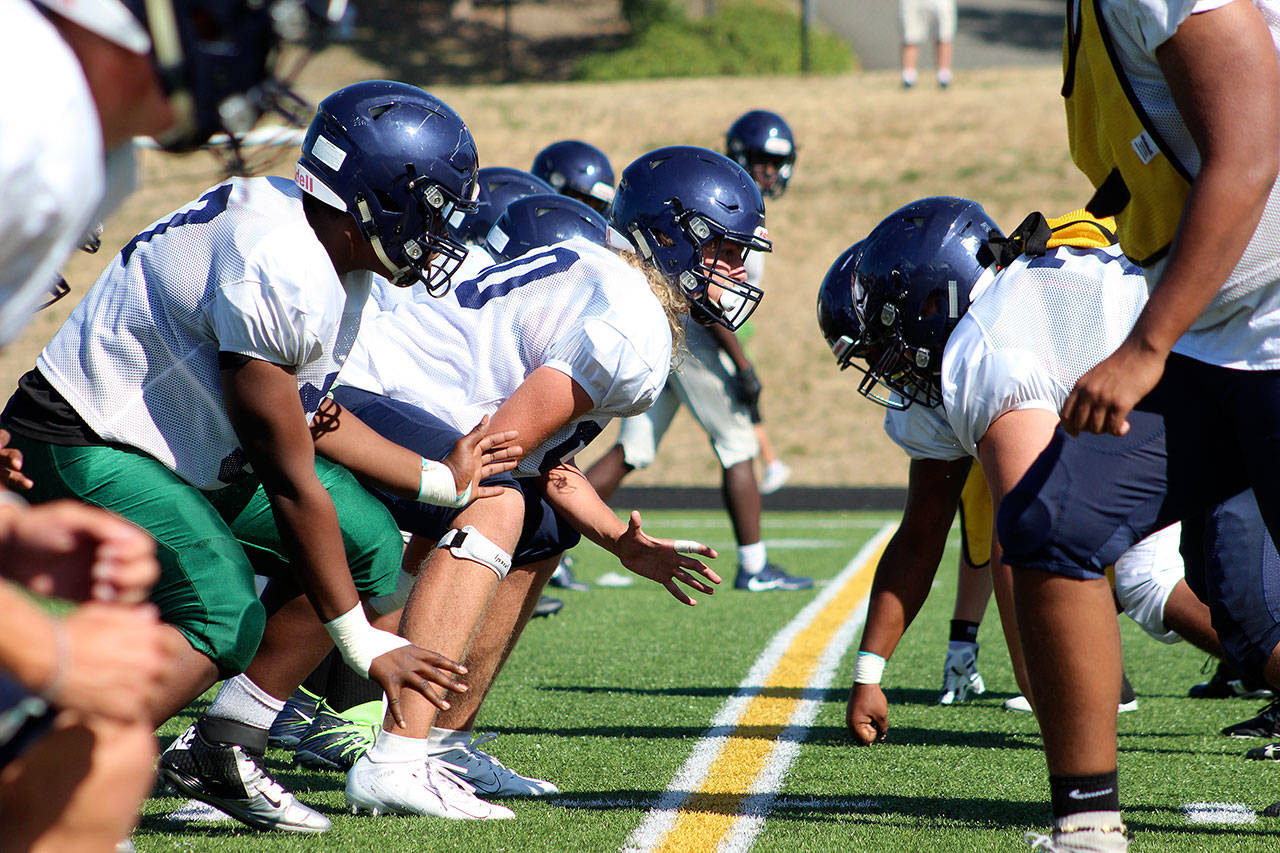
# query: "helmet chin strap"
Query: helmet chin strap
{"points": [[366, 222]]}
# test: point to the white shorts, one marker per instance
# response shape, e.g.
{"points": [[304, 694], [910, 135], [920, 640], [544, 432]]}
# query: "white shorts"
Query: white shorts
{"points": [[914, 15], [1145, 576], [703, 383]]}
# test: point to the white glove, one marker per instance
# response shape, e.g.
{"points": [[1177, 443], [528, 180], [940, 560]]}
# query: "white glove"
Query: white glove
{"points": [[960, 673]]}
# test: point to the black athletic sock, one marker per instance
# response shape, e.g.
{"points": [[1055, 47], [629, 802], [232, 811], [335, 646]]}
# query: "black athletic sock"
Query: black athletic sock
{"points": [[345, 688], [1126, 689], [1075, 794], [319, 677], [963, 631]]}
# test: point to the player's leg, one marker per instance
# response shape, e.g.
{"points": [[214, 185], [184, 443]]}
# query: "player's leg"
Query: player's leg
{"points": [[1066, 519], [913, 24], [946, 15], [960, 675], [704, 384], [460, 559]]}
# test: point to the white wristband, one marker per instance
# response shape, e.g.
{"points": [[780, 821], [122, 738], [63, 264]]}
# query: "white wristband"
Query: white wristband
{"points": [[437, 486], [360, 643], [868, 668]]}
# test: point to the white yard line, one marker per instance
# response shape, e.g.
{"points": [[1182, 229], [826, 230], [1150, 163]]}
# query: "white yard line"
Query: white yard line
{"points": [[693, 773]]}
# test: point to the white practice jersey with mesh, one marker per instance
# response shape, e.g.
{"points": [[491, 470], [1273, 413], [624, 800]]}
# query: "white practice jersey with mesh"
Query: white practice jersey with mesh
{"points": [[1038, 328], [923, 432], [1241, 327], [574, 306], [238, 270]]}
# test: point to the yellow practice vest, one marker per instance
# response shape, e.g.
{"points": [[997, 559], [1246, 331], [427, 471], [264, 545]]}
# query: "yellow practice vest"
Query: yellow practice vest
{"points": [[1134, 172]]}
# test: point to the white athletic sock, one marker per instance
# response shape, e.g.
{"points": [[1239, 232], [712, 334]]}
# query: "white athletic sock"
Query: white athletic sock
{"points": [[944, 76], [397, 749], [443, 740], [1089, 820], [245, 702], [908, 77], [751, 558]]}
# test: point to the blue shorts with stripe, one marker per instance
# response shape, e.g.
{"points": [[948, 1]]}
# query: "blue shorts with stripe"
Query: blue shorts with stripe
{"points": [[544, 534], [24, 719]]}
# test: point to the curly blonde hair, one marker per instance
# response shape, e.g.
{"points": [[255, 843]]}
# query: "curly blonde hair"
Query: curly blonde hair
{"points": [[673, 303]]}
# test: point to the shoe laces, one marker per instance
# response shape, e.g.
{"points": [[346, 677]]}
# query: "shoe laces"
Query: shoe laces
{"points": [[1039, 841], [258, 780], [473, 749], [442, 774]]}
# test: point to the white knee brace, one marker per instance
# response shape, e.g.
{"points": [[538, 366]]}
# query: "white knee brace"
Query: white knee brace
{"points": [[470, 544]]}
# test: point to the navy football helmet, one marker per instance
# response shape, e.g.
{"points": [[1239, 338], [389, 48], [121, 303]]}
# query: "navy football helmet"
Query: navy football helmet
{"points": [[540, 220], [837, 315], [914, 279], [214, 58], [401, 162], [499, 186], [763, 144], [678, 205], [578, 170]]}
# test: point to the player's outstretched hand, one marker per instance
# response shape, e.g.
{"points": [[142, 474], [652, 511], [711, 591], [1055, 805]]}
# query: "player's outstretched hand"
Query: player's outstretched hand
{"points": [[1103, 397], [114, 659], [665, 561], [867, 714], [412, 668], [479, 454], [11, 476], [78, 552], [747, 387]]}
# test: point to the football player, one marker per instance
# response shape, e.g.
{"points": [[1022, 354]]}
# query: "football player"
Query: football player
{"points": [[719, 386], [575, 334], [576, 169], [962, 347], [1185, 153], [762, 143], [181, 394], [107, 70]]}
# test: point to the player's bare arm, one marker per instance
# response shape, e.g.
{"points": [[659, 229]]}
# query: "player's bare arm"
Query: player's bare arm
{"points": [[664, 561], [343, 438], [1236, 127], [903, 579], [263, 405]]}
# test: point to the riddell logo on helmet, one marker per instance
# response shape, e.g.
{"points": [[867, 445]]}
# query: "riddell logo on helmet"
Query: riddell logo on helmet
{"points": [[303, 179]]}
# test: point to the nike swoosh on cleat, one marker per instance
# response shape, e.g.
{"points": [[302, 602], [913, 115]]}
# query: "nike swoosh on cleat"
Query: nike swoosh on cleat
{"points": [[757, 585], [1075, 794]]}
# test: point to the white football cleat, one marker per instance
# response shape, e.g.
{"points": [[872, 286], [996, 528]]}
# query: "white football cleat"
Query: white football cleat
{"points": [[1018, 703], [775, 476], [407, 787], [1081, 839], [491, 777], [960, 676]]}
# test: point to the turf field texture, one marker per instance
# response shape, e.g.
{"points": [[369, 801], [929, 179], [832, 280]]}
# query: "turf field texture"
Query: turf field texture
{"points": [[865, 148], [722, 727]]}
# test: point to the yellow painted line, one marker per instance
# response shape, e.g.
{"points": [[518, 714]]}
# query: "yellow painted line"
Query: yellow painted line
{"points": [[709, 814]]}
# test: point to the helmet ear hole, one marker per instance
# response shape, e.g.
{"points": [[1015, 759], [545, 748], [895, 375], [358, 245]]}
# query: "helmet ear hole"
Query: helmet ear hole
{"points": [[387, 201], [663, 240]]}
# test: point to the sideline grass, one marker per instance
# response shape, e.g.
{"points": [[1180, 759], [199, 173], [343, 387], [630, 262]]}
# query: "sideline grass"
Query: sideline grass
{"points": [[609, 697]]}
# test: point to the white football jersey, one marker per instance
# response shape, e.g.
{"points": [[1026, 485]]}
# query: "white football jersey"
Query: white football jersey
{"points": [[1041, 324], [239, 270], [923, 432], [51, 160], [1241, 327], [575, 306]]}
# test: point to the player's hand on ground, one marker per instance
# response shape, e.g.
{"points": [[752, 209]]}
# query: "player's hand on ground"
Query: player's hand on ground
{"points": [[747, 387], [11, 476], [113, 662], [479, 454], [1103, 397], [867, 714], [411, 668], [78, 552], [666, 561]]}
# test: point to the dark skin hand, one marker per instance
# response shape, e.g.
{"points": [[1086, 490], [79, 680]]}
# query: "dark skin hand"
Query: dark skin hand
{"points": [[265, 410]]}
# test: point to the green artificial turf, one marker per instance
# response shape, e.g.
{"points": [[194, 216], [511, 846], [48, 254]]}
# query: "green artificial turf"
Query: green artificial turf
{"points": [[609, 697]]}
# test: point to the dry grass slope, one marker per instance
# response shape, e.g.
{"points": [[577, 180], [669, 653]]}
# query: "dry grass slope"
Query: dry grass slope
{"points": [[865, 147]]}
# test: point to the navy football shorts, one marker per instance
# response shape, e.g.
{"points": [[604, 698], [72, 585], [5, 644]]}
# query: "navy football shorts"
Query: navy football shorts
{"points": [[544, 534]]}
